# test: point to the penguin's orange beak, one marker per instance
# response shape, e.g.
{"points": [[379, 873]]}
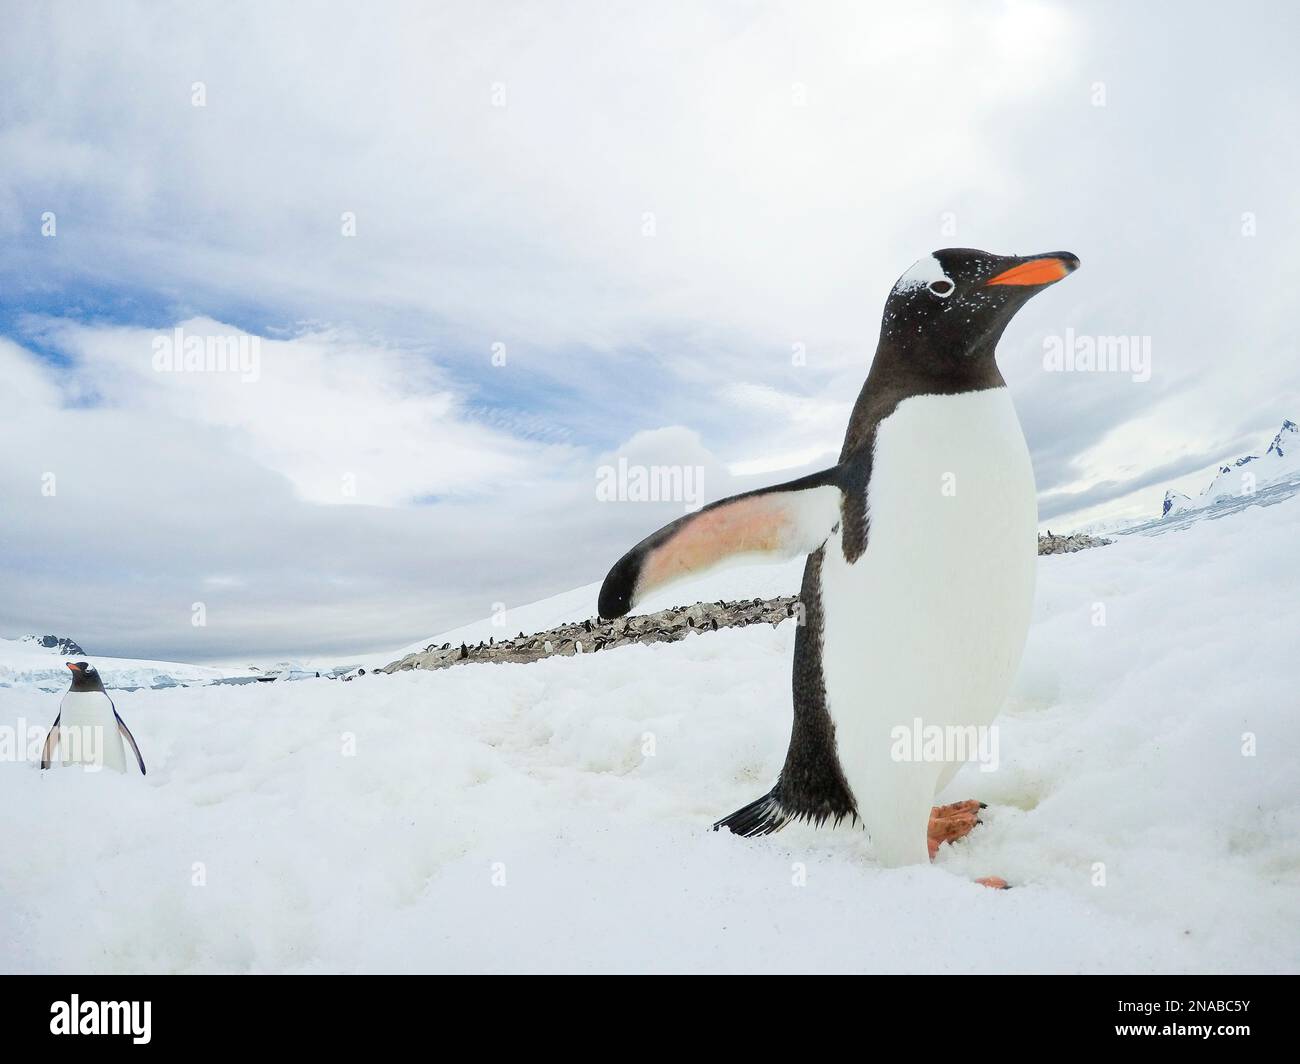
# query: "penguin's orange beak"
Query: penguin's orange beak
{"points": [[1043, 270], [71, 666]]}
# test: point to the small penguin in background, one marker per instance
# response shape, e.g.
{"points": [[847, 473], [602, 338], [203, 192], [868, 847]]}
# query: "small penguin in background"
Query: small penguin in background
{"points": [[88, 726]]}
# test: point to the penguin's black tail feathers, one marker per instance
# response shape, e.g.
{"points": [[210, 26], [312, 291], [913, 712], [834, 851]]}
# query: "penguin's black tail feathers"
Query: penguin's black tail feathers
{"points": [[761, 817]]}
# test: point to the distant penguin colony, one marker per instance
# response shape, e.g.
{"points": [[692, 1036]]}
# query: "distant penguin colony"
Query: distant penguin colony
{"points": [[922, 546], [88, 731]]}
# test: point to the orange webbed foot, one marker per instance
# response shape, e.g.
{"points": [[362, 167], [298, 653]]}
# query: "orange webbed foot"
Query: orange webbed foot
{"points": [[948, 823], [996, 882]]}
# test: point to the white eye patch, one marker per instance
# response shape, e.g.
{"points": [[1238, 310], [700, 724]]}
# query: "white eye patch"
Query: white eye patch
{"points": [[924, 273]]}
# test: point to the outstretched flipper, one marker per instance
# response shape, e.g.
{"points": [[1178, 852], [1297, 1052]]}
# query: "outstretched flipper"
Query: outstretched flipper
{"points": [[771, 524], [126, 734], [51, 743]]}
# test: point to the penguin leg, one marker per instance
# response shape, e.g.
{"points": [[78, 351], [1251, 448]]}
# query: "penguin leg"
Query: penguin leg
{"points": [[948, 823]]}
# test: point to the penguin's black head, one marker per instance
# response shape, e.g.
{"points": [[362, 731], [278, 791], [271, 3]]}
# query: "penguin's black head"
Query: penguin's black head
{"points": [[950, 308], [84, 676]]}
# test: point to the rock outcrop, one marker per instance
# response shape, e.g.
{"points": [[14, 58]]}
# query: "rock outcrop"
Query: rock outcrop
{"points": [[59, 643], [594, 635], [1054, 544]]}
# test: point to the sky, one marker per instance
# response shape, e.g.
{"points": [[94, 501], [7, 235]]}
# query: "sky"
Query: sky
{"points": [[475, 255]]}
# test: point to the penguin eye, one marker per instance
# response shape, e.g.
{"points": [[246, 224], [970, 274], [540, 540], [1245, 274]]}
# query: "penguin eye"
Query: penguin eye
{"points": [[943, 289]]}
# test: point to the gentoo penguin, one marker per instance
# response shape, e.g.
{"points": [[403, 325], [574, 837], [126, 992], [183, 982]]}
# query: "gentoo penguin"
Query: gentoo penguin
{"points": [[922, 548], [88, 726]]}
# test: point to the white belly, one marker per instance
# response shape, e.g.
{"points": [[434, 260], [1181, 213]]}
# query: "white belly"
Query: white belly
{"points": [[88, 732], [930, 622]]}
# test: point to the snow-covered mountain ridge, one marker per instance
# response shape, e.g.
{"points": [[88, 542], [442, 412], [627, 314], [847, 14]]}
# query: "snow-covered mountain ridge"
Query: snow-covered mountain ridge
{"points": [[1244, 476], [56, 644], [28, 660]]}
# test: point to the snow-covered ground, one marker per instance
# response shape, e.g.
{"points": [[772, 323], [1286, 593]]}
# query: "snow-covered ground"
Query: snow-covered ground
{"points": [[555, 816]]}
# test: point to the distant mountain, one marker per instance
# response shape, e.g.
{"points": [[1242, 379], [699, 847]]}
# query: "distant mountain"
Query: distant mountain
{"points": [[59, 644], [1288, 437], [37, 661], [1245, 475], [1175, 502]]}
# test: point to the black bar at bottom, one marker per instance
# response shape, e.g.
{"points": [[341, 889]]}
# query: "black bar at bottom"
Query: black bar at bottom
{"points": [[986, 1014]]}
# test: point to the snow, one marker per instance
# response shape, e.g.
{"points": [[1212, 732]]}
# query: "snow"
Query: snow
{"points": [[1121, 746]]}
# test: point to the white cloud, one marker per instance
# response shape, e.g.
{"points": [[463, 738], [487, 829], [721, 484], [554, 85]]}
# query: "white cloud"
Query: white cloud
{"points": [[773, 150], [343, 420], [192, 489]]}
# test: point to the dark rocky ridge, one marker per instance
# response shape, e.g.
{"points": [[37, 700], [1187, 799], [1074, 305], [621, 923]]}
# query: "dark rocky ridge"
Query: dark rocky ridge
{"points": [[60, 643], [594, 635], [666, 626]]}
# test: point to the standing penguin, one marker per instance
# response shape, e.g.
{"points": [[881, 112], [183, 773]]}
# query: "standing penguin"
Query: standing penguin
{"points": [[88, 725], [922, 548]]}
